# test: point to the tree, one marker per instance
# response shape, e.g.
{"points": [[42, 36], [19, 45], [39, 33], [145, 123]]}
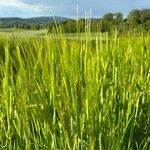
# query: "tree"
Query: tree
{"points": [[81, 25], [118, 18], [134, 18], [108, 17], [107, 22], [146, 25], [27, 26], [69, 26], [144, 15], [37, 27]]}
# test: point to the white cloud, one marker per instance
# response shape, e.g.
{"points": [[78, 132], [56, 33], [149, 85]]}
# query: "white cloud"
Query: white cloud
{"points": [[22, 5]]}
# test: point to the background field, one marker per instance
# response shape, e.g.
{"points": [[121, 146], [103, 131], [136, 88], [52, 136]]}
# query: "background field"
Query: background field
{"points": [[21, 32], [43, 32]]}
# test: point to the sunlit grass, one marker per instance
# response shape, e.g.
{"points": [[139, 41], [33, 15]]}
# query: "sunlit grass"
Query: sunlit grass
{"points": [[59, 93], [22, 33]]}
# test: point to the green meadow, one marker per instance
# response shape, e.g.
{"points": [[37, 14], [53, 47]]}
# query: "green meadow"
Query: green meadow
{"points": [[74, 91], [12, 32]]}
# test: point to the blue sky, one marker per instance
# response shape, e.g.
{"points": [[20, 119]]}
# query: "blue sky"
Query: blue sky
{"points": [[67, 8]]}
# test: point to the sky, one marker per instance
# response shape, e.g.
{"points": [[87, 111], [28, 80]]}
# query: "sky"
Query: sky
{"points": [[68, 8]]}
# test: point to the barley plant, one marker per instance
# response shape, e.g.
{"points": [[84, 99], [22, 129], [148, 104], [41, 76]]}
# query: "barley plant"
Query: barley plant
{"points": [[90, 92]]}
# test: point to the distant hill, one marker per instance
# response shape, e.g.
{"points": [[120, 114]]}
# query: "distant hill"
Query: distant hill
{"points": [[42, 22]]}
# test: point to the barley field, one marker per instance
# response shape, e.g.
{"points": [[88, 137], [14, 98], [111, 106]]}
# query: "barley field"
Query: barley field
{"points": [[75, 93]]}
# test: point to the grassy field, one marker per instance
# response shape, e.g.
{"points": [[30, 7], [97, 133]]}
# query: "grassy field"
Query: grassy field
{"points": [[75, 93], [22, 33]]}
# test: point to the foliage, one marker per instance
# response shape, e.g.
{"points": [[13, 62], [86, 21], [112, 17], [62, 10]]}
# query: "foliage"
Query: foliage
{"points": [[136, 20]]}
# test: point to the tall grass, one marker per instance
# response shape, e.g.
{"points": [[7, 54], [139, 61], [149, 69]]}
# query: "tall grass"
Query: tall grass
{"points": [[60, 93]]}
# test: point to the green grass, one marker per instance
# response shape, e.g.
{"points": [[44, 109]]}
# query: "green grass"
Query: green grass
{"points": [[85, 93], [22, 32]]}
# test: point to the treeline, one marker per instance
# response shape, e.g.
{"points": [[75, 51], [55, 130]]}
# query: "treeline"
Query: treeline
{"points": [[136, 19], [20, 23], [29, 23]]}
